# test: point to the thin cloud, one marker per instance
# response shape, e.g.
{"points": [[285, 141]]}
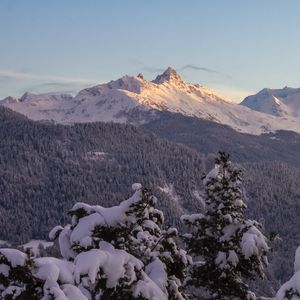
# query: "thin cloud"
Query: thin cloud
{"points": [[141, 66], [197, 68], [16, 75], [68, 88], [193, 67], [187, 67], [41, 83]]}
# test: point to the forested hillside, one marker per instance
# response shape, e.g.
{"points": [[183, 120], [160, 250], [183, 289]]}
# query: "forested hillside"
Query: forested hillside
{"points": [[46, 168], [273, 192]]}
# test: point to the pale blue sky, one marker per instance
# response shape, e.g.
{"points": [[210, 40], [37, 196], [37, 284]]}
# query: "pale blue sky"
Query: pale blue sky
{"points": [[69, 44]]}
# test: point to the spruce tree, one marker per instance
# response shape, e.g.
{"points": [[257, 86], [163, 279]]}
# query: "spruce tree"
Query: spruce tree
{"points": [[16, 279], [139, 231], [227, 248]]}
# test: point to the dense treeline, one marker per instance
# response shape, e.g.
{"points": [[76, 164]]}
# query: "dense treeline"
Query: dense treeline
{"points": [[46, 168], [273, 191]]}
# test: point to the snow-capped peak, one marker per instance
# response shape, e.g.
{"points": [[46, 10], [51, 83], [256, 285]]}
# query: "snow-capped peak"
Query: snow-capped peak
{"points": [[46, 96], [129, 83], [276, 102], [169, 75], [141, 76], [10, 99], [26, 96]]}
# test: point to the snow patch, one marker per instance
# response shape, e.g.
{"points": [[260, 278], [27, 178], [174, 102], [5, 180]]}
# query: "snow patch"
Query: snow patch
{"points": [[34, 246], [170, 191]]}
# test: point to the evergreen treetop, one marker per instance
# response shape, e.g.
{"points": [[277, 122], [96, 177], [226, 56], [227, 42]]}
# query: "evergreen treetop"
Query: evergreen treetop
{"points": [[227, 247]]}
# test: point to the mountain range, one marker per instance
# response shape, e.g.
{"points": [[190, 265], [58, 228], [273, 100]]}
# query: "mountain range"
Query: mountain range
{"points": [[135, 100]]}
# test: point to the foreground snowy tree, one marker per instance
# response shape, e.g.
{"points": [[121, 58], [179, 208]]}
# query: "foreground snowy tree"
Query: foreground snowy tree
{"points": [[24, 277], [135, 227], [291, 289], [118, 253], [229, 248], [16, 280]]}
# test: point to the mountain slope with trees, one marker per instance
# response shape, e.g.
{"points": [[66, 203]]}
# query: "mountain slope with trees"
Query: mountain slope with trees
{"points": [[46, 168]]}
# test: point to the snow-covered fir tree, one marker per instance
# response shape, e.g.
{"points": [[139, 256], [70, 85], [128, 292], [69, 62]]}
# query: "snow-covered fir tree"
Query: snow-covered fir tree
{"points": [[115, 253], [16, 279], [291, 289], [136, 227], [227, 248]]}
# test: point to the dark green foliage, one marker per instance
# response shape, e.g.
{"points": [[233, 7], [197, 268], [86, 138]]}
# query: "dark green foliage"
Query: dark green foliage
{"points": [[119, 294], [20, 277]]}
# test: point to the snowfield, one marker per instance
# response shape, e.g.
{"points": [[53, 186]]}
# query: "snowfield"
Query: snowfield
{"points": [[34, 245], [277, 102]]}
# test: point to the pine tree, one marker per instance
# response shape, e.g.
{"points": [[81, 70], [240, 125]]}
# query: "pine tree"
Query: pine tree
{"points": [[229, 247], [138, 231], [16, 279]]}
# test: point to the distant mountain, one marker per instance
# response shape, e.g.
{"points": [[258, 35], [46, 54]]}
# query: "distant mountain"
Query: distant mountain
{"points": [[277, 102], [132, 99], [10, 100]]}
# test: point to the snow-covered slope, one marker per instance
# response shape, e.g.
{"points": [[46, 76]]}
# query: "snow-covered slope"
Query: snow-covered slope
{"points": [[277, 102], [136, 100], [10, 99]]}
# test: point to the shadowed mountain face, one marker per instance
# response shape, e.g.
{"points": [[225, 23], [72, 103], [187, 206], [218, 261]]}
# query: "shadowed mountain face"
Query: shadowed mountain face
{"points": [[7, 114], [209, 137]]}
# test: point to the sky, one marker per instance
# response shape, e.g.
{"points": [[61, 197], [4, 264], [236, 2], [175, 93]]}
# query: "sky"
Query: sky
{"points": [[235, 47]]}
